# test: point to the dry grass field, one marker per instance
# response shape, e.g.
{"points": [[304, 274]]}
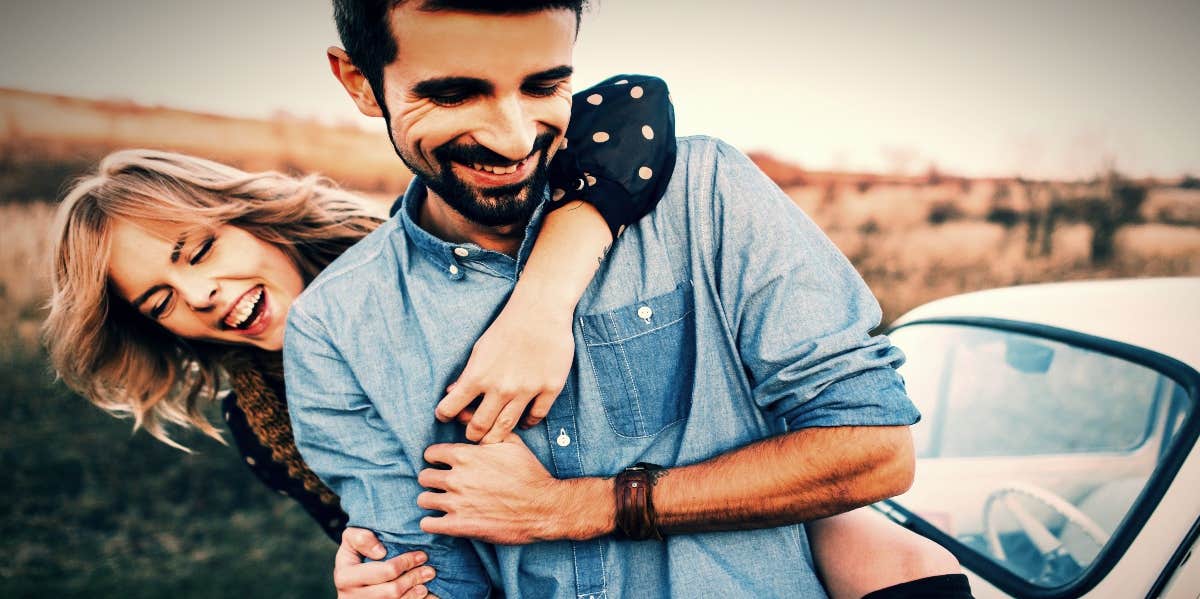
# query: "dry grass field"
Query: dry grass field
{"points": [[92, 511]]}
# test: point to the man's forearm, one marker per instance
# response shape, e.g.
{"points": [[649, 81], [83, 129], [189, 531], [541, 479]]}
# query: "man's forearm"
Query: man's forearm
{"points": [[796, 477]]}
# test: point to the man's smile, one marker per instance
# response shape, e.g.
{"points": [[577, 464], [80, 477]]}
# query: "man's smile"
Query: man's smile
{"points": [[486, 176]]}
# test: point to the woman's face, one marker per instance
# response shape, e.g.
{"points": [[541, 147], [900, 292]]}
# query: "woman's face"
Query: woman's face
{"points": [[224, 285]]}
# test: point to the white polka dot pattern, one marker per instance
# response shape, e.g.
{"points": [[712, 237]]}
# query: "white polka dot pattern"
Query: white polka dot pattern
{"points": [[631, 143]]}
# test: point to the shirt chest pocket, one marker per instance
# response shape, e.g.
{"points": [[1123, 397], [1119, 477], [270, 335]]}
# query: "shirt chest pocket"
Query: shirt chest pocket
{"points": [[644, 356]]}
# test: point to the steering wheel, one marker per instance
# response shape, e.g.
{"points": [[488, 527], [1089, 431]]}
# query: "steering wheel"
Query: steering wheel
{"points": [[1050, 546]]}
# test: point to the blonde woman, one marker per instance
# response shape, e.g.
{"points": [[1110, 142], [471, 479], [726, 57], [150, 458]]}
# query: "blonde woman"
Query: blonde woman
{"points": [[228, 251]]}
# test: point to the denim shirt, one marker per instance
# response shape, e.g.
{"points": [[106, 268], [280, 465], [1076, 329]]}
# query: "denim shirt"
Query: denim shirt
{"points": [[722, 318]]}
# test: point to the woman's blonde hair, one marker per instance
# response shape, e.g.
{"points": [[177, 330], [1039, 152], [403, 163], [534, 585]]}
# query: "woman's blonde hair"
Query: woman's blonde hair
{"points": [[128, 364]]}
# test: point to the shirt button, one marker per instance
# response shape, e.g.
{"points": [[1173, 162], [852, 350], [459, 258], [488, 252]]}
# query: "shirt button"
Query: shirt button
{"points": [[645, 313], [453, 269], [462, 252], [563, 439]]}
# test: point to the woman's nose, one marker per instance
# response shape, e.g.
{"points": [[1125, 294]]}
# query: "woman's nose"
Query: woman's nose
{"points": [[199, 293]]}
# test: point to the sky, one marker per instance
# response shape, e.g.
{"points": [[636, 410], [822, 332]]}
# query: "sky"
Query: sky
{"points": [[1045, 89]]}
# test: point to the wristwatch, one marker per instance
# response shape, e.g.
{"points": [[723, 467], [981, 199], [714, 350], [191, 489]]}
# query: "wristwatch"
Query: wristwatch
{"points": [[635, 501]]}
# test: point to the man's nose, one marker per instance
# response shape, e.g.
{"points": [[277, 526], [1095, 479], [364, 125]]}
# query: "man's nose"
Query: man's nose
{"points": [[509, 130]]}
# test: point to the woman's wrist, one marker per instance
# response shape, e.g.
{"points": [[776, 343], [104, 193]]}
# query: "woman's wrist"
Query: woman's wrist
{"points": [[547, 299]]}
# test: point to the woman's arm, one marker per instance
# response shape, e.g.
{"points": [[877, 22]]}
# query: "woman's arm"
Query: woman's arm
{"points": [[526, 353], [599, 185]]}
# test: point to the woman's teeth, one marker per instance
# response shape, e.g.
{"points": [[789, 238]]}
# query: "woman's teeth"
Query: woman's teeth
{"points": [[496, 170], [244, 308]]}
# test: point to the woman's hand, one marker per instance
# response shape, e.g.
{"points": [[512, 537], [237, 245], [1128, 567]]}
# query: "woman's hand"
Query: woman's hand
{"points": [[523, 357], [401, 577], [526, 354]]}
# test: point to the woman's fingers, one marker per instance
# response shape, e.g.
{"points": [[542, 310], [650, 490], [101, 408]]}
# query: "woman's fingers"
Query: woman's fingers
{"points": [[347, 576], [459, 395], [485, 415], [408, 585], [362, 543], [505, 421], [540, 408]]}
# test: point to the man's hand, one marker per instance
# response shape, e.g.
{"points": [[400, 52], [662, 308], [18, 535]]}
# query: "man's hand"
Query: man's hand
{"points": [[523, 357], [401, 577], [500, 493]]}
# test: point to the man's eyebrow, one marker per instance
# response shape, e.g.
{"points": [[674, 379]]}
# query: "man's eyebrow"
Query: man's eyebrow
{"points": [[560, 72], [457, 85]]}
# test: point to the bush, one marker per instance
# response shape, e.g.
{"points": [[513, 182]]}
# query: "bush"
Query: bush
{"points": [[943, 211], [1005, 216]]}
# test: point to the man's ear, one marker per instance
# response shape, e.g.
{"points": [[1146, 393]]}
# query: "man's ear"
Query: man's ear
{"points": [[353, 80]]}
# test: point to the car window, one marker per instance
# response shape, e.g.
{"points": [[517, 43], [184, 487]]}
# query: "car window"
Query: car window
{"points": [[1000, 393], [1031, 450]]}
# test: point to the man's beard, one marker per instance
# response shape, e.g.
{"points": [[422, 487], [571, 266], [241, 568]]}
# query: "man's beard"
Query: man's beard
{"points": [[492, 206]]}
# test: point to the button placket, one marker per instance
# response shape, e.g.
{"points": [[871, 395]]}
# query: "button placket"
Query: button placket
{"points": [[562, 433]]}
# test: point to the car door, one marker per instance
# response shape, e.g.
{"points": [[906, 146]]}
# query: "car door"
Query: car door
{"points": [[1044, 454]]}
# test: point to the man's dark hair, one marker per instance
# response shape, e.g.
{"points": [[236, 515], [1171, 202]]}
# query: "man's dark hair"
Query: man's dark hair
{"points": [[367, 35]]}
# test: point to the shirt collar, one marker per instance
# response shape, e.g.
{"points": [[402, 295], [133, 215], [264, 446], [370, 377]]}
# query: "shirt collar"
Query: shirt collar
{"points": [[450, 256]]}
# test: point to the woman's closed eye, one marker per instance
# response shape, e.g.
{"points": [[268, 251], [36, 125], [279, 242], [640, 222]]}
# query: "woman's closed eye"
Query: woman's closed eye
{"points": [[161, 306], [203, 249]]}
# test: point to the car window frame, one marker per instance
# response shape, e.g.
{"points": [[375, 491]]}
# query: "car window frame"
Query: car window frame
{"points": [[1139, 513]]}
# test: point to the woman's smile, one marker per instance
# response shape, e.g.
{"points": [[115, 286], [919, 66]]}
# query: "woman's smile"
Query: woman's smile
{"points": [[227, 286]]}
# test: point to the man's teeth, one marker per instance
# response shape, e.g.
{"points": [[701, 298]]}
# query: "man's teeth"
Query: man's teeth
{"points": [[495, 170], [244, 308]]}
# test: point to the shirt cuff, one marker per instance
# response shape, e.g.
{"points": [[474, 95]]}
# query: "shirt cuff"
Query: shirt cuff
{"points": [[875, 397]]}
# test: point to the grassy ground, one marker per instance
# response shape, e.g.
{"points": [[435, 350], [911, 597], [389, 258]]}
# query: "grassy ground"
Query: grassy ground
{"points": [[91, 511]]}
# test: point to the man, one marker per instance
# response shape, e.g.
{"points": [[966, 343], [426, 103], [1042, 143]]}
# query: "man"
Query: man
{"points": [[726, 340]]}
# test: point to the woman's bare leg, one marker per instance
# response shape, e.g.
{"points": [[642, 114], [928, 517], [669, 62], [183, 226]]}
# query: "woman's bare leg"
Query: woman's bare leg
{"points": [[862, 551]]}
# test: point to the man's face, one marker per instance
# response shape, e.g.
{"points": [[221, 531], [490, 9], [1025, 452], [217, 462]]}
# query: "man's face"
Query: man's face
{"points": [[479, 103]]}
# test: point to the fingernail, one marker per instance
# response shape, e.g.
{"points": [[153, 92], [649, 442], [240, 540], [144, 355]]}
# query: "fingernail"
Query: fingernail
{"points": [[426, 574], [420, 559], [378, 552]]}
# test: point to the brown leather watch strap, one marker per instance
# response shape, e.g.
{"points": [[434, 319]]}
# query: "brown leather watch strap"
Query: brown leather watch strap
{"points": [[635, 502]]}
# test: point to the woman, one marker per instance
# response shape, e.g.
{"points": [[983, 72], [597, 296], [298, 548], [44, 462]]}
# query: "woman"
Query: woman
{"points": [[160, 355]]}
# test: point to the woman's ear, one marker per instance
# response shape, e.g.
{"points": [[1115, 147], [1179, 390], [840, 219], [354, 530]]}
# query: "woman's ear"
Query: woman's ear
{"points": [[353, 80]]}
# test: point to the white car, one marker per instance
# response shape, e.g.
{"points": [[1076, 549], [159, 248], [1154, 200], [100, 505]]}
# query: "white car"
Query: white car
{"points": [[1057, 451]]}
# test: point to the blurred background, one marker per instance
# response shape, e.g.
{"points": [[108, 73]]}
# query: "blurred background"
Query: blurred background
{"points": [[944, 146]]}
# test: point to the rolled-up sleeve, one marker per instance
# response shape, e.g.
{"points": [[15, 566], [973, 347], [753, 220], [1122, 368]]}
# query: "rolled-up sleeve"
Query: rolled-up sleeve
{"points": [[802, 316], [343, 439]]}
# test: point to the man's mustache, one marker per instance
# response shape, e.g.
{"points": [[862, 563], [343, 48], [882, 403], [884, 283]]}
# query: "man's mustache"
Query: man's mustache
{"points": [[477, 154]]}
